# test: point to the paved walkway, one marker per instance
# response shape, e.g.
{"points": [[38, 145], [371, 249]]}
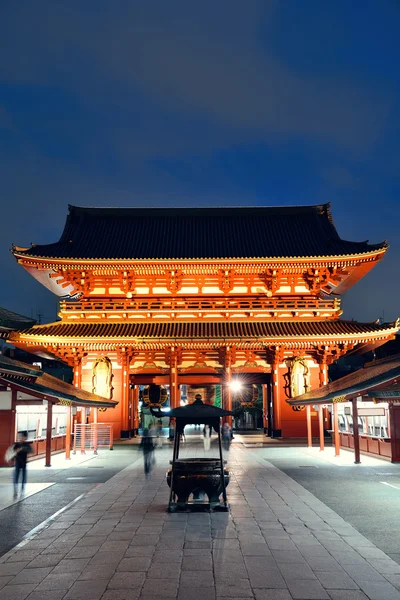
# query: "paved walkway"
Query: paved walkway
{"points": [[278, 542]]}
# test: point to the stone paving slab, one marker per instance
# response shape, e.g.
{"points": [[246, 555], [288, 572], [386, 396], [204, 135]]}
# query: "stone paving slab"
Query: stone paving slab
{"points": [[278, 542]]}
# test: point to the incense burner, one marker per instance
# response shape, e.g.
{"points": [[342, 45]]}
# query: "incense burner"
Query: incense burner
{"points": [[197, 476]]}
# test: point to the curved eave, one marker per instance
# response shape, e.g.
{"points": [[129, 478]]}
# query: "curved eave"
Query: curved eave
{"points": [[54, 395], [379, 249], [347, 393], [358, 337]]}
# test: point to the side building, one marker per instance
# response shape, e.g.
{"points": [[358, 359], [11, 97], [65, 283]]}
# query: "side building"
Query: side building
{"points": [[200, 299]]}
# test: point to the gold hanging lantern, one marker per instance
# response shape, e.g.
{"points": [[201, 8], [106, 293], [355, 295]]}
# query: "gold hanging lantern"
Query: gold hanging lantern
{"points": [[248, 395]]}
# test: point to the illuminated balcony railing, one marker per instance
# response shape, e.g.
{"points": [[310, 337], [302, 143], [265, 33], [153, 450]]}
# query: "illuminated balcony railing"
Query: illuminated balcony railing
{"points": [[200, 307]]}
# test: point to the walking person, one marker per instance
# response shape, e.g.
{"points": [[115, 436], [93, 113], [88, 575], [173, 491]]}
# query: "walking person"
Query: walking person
{"points": [[159, 434], [207, 438], [226, 436], [147, 447], [21, 448]]}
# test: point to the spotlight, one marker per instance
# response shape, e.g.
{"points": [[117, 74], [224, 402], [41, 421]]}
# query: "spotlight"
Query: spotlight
{"points": [[235, 386]]}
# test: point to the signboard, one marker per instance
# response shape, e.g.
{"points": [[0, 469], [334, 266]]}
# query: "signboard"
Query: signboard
{"points": [[371, 412]]}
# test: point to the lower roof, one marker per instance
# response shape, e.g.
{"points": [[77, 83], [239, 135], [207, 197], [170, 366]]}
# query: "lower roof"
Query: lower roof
{"points": [[11, 321], [371, 376], [24, 376], [242, 330]]}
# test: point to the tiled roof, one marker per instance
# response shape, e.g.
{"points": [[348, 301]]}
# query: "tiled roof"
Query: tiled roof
{"points": [[10, 321], [32, 378], [371, 375], [198, 233], [206, 330]]}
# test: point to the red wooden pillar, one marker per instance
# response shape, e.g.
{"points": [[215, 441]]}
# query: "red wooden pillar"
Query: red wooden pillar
{"points": [[277, 414], [356, 435], [265, 407], [336, 429], [173, 379], [48, 433], [321, 427], [135, 408], [228, 390], [309, 431], [68, 433], [125, 428], [394, 416], [95, 436], [83, 429]]}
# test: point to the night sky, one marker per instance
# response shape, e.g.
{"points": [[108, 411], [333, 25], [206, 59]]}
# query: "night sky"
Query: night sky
{"points": [[222, 102]]}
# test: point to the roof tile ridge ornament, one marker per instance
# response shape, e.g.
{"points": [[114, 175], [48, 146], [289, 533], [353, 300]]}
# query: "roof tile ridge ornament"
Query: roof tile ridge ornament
{"points": [[326, 210]]}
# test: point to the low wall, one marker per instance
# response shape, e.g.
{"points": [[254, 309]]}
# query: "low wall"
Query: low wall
{"points": [[381, 447], [38, 448]]}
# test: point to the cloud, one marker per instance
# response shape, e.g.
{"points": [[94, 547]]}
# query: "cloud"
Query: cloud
{"points": [[194, 62]]}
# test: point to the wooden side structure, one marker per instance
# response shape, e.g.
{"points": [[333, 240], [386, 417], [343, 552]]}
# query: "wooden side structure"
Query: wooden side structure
{"points": [[199, 297], [376, 382], [25, 384]]}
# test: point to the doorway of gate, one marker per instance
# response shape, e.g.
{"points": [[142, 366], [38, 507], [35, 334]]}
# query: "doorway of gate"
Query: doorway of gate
{"points": [[251, 395]]}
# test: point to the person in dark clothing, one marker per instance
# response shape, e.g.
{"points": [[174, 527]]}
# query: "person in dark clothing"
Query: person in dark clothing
{"points": [[226, 435], [147, 447], [21, 448]]}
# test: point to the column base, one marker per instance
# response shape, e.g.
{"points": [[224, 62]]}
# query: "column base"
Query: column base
{"points": [[276, 433]]}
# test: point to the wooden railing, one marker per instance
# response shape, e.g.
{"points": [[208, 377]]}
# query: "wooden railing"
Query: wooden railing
{"points": [[203, 304]]}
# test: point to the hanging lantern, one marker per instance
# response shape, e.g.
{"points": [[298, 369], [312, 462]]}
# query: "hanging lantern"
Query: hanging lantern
{"points": [[154, 395], [207, 393], [248, 395]]}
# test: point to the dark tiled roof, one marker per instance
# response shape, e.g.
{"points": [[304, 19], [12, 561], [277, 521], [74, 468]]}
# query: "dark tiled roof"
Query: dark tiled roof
{"points": [[12, 321], [198, 233], [32, 378], [371, 375], [206, 330]]}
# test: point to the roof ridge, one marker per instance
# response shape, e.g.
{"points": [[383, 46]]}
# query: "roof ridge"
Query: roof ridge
{"points": [[325, 207]]}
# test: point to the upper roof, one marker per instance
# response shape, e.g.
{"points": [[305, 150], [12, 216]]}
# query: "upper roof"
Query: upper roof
{"points": [[372, 375], [198, 233], [11, 321]]}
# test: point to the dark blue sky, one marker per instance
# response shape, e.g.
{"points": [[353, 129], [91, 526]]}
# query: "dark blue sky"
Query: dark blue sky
{"points": [[263, 102]]}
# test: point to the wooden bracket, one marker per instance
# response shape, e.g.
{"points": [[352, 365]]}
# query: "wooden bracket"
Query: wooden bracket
{"points": [[226, 280], [127, 281], [174, 281], [317, 279], [271, 279]]}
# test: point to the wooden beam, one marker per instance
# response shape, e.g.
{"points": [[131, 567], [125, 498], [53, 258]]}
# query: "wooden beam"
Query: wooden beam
{"points": [[356, 434], [265, 407], [83, 429], [49, 427], [336, 429], [321, 427], [309, 430], [68, 434]]}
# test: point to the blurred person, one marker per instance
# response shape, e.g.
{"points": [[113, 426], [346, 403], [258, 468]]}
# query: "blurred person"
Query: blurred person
{"points": [[21, 448], [159, 434], [226, 435], [147, 447], [207, 438]]}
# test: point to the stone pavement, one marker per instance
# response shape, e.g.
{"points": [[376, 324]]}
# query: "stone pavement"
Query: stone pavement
{"points": [[278, 542]]}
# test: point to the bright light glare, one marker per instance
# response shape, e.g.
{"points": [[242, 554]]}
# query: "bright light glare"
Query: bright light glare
{"points": [[166, 409], [235, 386]]}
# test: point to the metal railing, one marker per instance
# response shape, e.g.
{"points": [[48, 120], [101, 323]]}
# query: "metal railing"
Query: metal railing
{"points": [[93, 436]]}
